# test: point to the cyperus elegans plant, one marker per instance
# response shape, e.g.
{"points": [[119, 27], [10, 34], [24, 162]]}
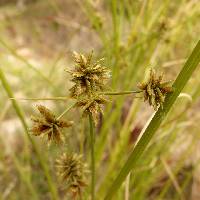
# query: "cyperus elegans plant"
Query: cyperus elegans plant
{"points": [[89, 92], [89, 80]]}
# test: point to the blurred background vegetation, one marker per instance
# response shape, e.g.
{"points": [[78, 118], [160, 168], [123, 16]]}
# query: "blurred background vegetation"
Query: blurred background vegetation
{"points": [[36, 40]]}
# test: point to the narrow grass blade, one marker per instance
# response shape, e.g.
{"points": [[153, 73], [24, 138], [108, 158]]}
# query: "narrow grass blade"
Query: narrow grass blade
{"points": [[15, 54], [92, 141], [20, 114], [159, 117], [66, 111], [42, 99], [25, 178]]}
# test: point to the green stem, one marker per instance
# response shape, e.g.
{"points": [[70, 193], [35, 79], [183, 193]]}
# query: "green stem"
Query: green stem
{"points": [[65, 111], [42, 99], [24, 177], [15, 54], [65, 98], [92, 142], [20, 114], [158, 118], [121, 92]]}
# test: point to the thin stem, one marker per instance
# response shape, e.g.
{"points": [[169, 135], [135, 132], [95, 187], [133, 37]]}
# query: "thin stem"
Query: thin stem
{"points": [[65, 111], [92, 142], [24, 177], [65, 98], [172, 176], [121, 92], [42, 99], [127, 183], [20, 114], [15, 54]]}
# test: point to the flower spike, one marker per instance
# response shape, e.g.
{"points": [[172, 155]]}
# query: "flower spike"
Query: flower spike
{"points": [[71, 170], [154, 90], [87, 76], [92, 105], [47, 124]]}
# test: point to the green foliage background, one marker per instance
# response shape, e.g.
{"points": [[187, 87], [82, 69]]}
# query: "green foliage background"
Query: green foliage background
{"points": [[36, 38]]}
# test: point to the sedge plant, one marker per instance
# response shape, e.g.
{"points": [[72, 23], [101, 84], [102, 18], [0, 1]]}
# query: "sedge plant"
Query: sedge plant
{"points": [[90, 93], [151, 41]]}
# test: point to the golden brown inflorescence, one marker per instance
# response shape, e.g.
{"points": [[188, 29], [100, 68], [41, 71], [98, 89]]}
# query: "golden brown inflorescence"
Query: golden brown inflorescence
{"points": [[47, 124], [72, 171], [88, 77], [89, 80], [155, 90], [92, 105]]}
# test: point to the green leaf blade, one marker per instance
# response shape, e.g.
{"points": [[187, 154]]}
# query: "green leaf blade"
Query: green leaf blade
{"points": [[180, 82]]}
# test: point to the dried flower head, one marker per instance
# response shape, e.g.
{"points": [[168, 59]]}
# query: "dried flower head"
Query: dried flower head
{"points": [[155, 90], [92, 105], [47, 124], [71, 170], [88, 76]]}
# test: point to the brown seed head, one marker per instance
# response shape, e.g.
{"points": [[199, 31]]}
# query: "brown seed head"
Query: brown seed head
{"points": [[155, 90], [92, 105], [87, 76], [47, 124], [71, 170]]}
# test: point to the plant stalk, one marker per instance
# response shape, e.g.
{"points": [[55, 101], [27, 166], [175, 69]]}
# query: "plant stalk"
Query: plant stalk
{"points": [[65, 98], [42, 99], [65, 111], [15, 54], [92, 143], [121, 92]]}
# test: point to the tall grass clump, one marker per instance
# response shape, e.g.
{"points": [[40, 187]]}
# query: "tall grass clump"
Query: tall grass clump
{"points": [[116, 122]]}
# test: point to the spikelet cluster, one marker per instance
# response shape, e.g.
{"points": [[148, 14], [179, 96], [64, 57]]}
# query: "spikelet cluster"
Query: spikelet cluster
{"points": [[92, 105], [89, 79], [155, 90], [71, 170], [47, 124]]}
